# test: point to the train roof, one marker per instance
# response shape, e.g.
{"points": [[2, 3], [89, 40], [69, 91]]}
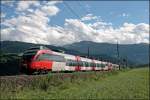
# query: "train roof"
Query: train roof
{"points": [[38, 48]]}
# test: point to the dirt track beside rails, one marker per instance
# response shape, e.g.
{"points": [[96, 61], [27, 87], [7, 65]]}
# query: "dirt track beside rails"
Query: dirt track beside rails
{"points": [[23, 80]]}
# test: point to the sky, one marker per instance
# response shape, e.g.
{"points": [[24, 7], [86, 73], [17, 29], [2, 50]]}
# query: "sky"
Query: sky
{"points": [[65, 22]]}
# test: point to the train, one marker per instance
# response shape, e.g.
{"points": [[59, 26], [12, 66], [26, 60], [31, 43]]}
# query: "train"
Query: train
{"points": [[43, 59]]}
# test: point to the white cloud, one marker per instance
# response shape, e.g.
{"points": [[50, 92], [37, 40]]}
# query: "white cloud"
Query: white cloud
{"points": [[89, 17], [30, 10], [33, 27], [24, 5], [51, 3], [50, 10], [48, 7], [28, 30], [3, 15], [104, 32]]}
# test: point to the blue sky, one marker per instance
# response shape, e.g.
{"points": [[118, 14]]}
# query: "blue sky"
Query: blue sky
{"points": [[110, 11], [106, 17]]}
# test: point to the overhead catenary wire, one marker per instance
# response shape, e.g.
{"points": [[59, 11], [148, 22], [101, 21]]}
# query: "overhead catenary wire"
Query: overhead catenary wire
{"points": [[83, 8], [71, 10]]}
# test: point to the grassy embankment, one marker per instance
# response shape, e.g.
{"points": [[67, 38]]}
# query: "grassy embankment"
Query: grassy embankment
{"points": [[131, 84]]}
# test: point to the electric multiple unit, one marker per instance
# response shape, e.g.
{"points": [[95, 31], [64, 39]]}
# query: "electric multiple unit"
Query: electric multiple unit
{"points": [[43, 59]]}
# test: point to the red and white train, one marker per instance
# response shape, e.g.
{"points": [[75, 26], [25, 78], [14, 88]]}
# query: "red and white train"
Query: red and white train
{"points": [[40, 58]]}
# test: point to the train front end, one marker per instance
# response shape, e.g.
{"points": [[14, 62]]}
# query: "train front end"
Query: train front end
{"points": [[26, 61]]}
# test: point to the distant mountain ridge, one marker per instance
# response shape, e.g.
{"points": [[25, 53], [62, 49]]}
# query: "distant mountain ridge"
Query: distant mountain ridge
{"points": [[135, 53], [17, 47]]}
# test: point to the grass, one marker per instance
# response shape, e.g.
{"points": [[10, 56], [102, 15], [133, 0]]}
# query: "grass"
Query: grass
{"points": [[126, 84]]}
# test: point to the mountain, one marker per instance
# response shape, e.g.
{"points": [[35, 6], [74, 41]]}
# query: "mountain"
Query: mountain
{"points": [[18, 47], [132, 53], [135, 53]]}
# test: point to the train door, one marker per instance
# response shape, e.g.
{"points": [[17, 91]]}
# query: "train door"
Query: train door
{"points": [[109, 66], [78, 67], [93, 65]]}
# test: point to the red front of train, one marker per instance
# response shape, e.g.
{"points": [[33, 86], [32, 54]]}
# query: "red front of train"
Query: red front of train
{"points": [[32, 60]]}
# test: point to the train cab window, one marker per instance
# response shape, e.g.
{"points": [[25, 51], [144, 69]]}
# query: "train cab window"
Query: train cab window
{"points": [[56, 58], [28, 55]]}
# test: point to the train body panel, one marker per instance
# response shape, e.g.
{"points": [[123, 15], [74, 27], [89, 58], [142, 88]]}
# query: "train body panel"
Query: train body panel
{"points": [[59, 66], [38, 65]]}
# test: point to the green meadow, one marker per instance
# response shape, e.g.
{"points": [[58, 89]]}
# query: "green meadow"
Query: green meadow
{"points": [[124, 84]]}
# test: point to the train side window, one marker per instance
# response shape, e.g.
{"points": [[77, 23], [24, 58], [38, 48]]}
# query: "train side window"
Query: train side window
{"points": [[45, 56], [96, 64], [86, 64], [68, 62], [75, 63], [80, 63], [72, 63], [83, 62], [102, 65], [99, 65], [90, 64], [93, 64]]}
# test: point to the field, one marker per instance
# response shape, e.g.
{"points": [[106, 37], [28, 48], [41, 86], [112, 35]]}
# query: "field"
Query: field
{"points": [[125, 84]]}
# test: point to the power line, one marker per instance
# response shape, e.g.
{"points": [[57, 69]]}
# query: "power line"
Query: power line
{"points": [[83, 8], [72, 10]]}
